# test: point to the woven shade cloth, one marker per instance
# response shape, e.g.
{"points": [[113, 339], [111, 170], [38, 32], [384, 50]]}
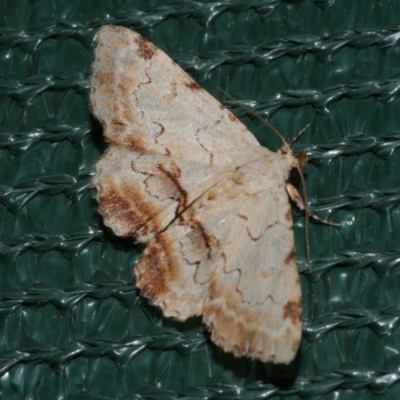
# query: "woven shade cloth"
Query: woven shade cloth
{"points": [[72, 323]]}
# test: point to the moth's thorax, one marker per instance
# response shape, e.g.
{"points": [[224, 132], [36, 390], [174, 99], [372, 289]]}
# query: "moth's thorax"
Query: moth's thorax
{"points": [[265, 170]]}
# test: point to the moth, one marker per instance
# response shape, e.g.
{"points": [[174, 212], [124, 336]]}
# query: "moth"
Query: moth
{"points": [[185, 176]]}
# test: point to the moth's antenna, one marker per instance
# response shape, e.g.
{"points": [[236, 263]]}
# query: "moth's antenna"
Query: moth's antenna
{"points": [[257, 116], [294, 140]]}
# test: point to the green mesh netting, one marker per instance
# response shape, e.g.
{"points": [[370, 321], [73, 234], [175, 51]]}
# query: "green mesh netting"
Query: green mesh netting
{"points": [[72, 324]]}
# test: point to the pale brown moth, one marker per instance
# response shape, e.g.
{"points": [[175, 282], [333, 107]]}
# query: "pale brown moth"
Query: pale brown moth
{"points": [[184, 175]]}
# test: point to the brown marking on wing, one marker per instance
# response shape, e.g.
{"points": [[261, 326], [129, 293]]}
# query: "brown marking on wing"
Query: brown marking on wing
{"points": [[209, 240], [122, 113], [157, 269], [167, 151], [161, 131], [135, 143], [288, 215], [169, 189], [239, 176], [272, 225], [174, 176], [123, 118], [157, 273], [289, 258], [146, 49], [148, 82], [174, 93], [223, 256], [232, 117], [211, 155], [211, 195], [212, 290], [104, 84], [116, 118], [192, 85], [242, 216], [266, 274], [149, 228], [117, 128], [119, 213], [253, 238], [111, 204], [136, 169], [191, 263], [125, 88], [106, 79], [292, 310], [123, 109]]}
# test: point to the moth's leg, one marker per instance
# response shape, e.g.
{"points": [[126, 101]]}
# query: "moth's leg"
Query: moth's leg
{"points": [[295, 196]]}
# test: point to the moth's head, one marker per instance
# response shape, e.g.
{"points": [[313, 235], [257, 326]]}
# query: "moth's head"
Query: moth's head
{"points": [[287, 149], [301, 158], [291, 160]]}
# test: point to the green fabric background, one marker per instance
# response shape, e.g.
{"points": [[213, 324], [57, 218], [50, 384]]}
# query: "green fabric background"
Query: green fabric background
{"points": [[71, 323]]}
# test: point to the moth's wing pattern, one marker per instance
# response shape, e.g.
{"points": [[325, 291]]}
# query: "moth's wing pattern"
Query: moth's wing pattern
{"points": [[231, 258], [178, 176], [139, 194], [166, 151], [146, 102]]}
